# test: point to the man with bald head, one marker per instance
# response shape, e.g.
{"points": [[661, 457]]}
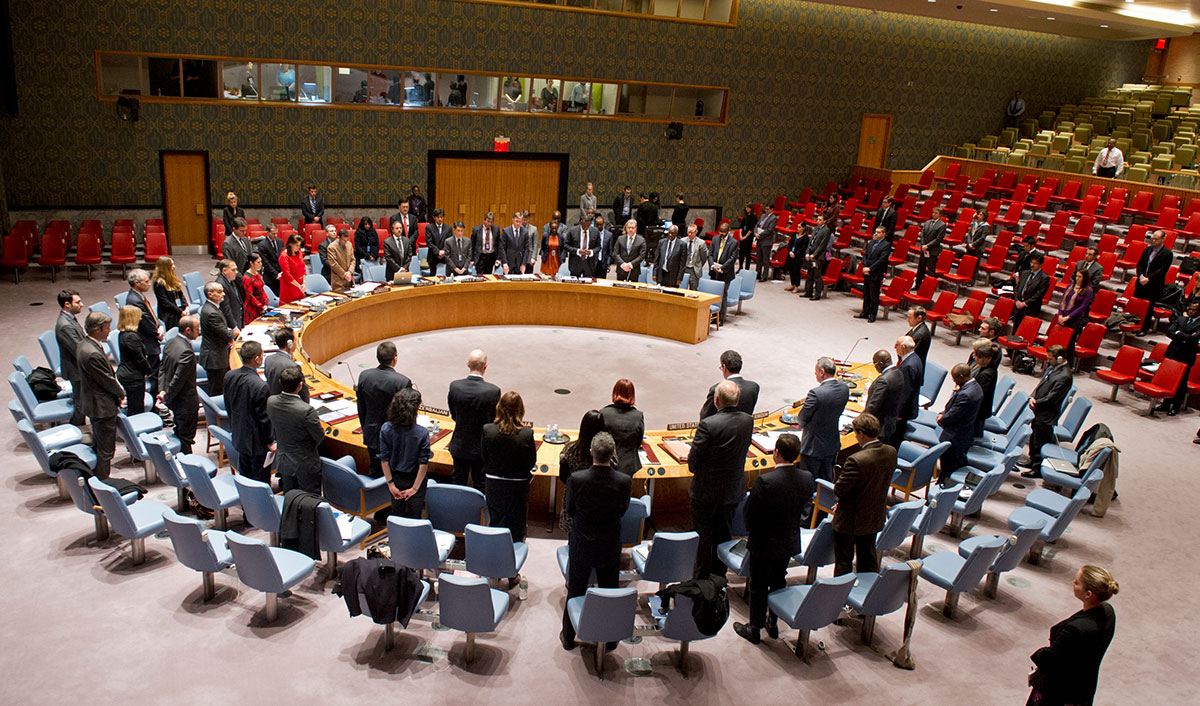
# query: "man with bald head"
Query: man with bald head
{"points": [[818, 418], [472, 403], [717, 463], [885, 393], [913, 371]]}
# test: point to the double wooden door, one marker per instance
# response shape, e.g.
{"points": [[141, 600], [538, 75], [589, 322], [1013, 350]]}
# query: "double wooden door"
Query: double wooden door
{"points": [[466, 188]]}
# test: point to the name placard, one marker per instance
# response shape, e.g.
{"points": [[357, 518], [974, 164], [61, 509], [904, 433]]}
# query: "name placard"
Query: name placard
{"points": [[434, 410], [681, 426]]}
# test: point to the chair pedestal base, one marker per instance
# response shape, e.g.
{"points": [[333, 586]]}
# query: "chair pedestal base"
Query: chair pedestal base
{"points": [[101, 528], [951, 604], [210, 586], [599, 662], [148, 472], [1035, 553], [802, 645], [272, 607], [331, 564], [992, 583], [220, 519], [62, 488], [918, 545], [683, 655], [139, 551], [1113, 397], [389, 637], [181, 502], [868, 629], [470, 655]]}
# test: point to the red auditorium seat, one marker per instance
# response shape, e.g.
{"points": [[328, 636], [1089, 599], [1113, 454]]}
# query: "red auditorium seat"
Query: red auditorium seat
{"points": [[890, 297], [943, 305], [156, 246], [1068, 196], [1133, 253], [1140, 309], [14, 254], [924, 294], [87, 250], [1058, 335], [1192, 228], [964, 274], [1123, 371], [951, 172], [926, 180], [1087, 347], [1140, 204], [1027, 333], [1164, 383], [1167, 219], [996, 258], [123, 251], [53, 254], [974, 307], [1002, 310], [1102, 305]]}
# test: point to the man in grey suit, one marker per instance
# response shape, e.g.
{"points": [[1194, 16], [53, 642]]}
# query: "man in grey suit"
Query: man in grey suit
{"points": [[101, 394], [281, 360], [717, 463], [231, 303], [629, 250], [246, 400], [764, 240], [723, 257], [69, 333], [436, 233], [397, 251], [535, 241], [298, 436], [731, 369], [885, 393], [933, 231], [818, 418], [582, 243], [376, 388], [177, 382], [815, 258], [237, 246], [697, 257], [458, 251], [485, 244], [149, 330], [670, 259], [514, 248], [215, 339]]}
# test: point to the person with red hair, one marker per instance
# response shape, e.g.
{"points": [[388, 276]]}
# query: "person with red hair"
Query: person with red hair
{"points": [[627, 426]]}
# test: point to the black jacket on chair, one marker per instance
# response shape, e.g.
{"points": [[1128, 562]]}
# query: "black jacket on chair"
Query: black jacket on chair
{"points": [[391, 591]]}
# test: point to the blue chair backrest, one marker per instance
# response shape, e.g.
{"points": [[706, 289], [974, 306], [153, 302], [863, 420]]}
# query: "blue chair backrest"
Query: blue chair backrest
{"points": [[672, 557], [465, 604], [1019, 439], [1017, 546], [114, 507], [102, 306], [683, 283], [214, 406], [314, 263], [452, 507], [255, 566], [272, 298], [925, 464], [644, 275], [192, 542], [132, 441], [225, 438], [22, 365], [680, 625], [34, 442], [200, 483], [329, 535], [890, 590], [1016, 404], [749, 283], [900, 519], [374, 273], [1055, 530], [986, 487], [1076, 416], [489, 551], [607, 614], [316, 284], [1010, 462], [710, 286], [163, 461], [258, 503], [49, 345], [194, 284], [820, 548], [564, 270], [823, 603], [114, 345], [120, 298], [633, 520], [935, 375], [77, 488], [937, 512], [412, 542], [738, 527], [24, 393], [977, 564], [1004, 388], [341, 483]]}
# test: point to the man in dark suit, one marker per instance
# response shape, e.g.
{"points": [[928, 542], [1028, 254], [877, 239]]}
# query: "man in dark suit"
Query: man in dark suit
{"points": [[775, 510], [148, 329], [68, 333], [818, 418], [231, 304], [1184, 333], [376, 388], [885, 217], [312, 207], [246, 400], [582, 243], [816, 255], [1047, 403], [596, 498], [623, 207], [215, 339], [177, 382], [605, 256], [472, 403], [397, 251], [885, 394], [985, 368], [913, 371], [861, 491], [101, 394], [670, 259], [485, 241], [281, 360], [298, 434], [1092, 268], [875, 264], [629, 250], [1151, 275], [722, 263], [731, 369], [957, 421], [458, 251], [977, 234], [764, 241], [933, 231], [436, 234], [515, 251], [407, 221], [717, 463], [1029, 290], [237, 247], [270, 248], [918, 330], [647, 213]]}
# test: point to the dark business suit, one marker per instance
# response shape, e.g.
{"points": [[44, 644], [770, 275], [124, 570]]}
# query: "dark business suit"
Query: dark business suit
{"points": [[596, 498], [632, 253], [298, 436], [764, 240], [623, 209], [177, 380], [627, 426], [646, 216], [366, 247], [231, 305], [323, 255], [1153, 264], [724, 252], [605, 255], [397, 256], [1094, 272], [1184, 333], [1068, 669], [913, 371], [238, 249], [861, 491], [312, 209], [269, 249], [1030, 288], [923, 338], [884, 397], [717, 463], [485, 258], [472, 403], [958, 427], [778, 506], [215, 338], [986, 377], [410, 225], [69, 333], [575, 241], [1047, 401], [669, 262], [515, 251], [435, 240], [246, 400], [101, 396], [976, 240], [818, 418], [875, 259], [275, 364], [887, 219], [930, 239], [818, 251], [458, 256], [147, 331], [376, 388], [746, 401]]}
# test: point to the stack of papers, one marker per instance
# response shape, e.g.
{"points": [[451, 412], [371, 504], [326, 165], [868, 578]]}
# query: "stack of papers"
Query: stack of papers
{"points": [[334, 410], [766, 440], [366, 287], [846, 418], [317, 300]]}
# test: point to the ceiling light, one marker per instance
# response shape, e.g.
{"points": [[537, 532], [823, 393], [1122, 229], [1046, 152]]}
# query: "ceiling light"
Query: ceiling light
{"points": [[993, 10], [1104, 26], [1049, 18]]}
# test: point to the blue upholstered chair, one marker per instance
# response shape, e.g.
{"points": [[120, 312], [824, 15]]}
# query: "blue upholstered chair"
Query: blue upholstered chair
{"points": [[469, 605], [134, 522], [987, 486], [1052, 477], [51, 412], [668, 558], [198, 549], [224, 439], [1002, 422], [348, 490], [316, 284], [452, 507], [955, 574], [165, 463], [1054, 525], [492, 553], [131, 429], [336, 535], [1015, 549], [881, 593], [417, 545], [811, 606], [601, 616], [931, 385], [271, 570], [900, 520], [1072, 422], [217, 493], [49, 345], [677, 624], [261, 507], [816, 549], [42, 444], [933, 516], [915, 466]]}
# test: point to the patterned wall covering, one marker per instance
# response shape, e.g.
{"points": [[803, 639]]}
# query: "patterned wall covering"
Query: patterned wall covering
{"points": [[800, 76]]}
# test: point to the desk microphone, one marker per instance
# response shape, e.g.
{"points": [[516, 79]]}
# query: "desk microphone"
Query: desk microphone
{"points": [[864, 338], [353, 379]]}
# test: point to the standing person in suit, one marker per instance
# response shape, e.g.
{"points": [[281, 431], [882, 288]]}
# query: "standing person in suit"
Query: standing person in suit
{"points": [[397, 251], [1091, 268], [861, 491], [404, 453], [1028, 292], [885, 217], [509, 455], [177, 382], [629, 251], [930, 242], [775, 510], [312, 206], [797, 247], [583, 247], [323, 249], [679, 212], [816, 255], [168, 293], [148, 328], [68, 333], [535, 242], [913, 371], [606, 246], [875, 264], [134, 366], [627, 426], [731, 369], [375, 389], [977, 234], [407, 221], [587, 200], [298, 435], [747, 225], [231, 304], [885, 393], [514, 248], [985, 369], [717, 463], [696, 258], [270, 247], [1047, 403], [280, 360], [1151, 275], [623, 207], [764, 241], [366, 243], [237, 247], [216, 338], [647, 213], [485, 240], [818, 419], [1184, 333], [436, 234], [722, 263], [292, 272], [472, 402], [1067, 670], [918, 330], [416, 202], [670, 259], [957, 421], [458, 252], [246, 400], [341, 263], [595, 500], [101, 394]]}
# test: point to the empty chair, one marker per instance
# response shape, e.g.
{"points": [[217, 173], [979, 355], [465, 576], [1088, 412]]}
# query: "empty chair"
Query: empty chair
{"points": [[352, 492], [985, 458], [1015, 548], [49, 346], [492, 553], [1053, 477], [816, 549], [935, 376], [134, 522], [678, 624], [198, 549], [972, 503], [52, 412], [452, 507], [1123, 371], [1072, 423], [603, 615], [316, 284], [669, 558], [471, 606], [900, 520], [1002, 422], [417, 545], [133, 429], [224, 439], [634, 520], [337, 532], [272, 570], [81, 494], [915, 466], [261, 507], [876, 594], [166, 466], [811, 607], [955, 574], [934, 516], [215, 493], [215, 415]]}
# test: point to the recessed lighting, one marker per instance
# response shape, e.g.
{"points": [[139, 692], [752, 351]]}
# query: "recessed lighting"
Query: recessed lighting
{"points": [[1049, 18], [1104, 26], [993, 10]]}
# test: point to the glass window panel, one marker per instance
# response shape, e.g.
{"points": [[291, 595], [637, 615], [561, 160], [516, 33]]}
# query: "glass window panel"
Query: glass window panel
{"points": [[200, 78], [714, 104], [610, 5], [483, 91], [639, 99], [577, 97], [583, 3], [666, 8], [640, 7], [452, 90], [514, 96], [719, 10], [315, 83], [545, 94], [278, 82], [691, 9], [684, 107], [351, 85], [119, 72], [420, 89], [604, 99], [239, 80], [388, 86], [163, 76]]}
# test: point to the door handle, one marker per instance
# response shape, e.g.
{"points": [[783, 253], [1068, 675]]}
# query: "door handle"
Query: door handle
{"points": [[199, 209]]}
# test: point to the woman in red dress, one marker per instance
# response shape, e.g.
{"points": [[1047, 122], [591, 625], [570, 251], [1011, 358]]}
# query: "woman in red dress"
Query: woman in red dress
{"points": [[291, 271], [255, 301]]}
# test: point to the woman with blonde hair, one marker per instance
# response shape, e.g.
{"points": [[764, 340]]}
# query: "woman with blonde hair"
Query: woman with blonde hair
{"points": [[168, 293], [135, 366], [509, 454], [1065, 673], [231, 211]]}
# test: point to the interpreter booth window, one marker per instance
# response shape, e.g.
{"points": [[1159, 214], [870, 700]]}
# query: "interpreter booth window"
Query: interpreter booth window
{"points": [[544, 95], [513, 95], [483, 91], [666, 8], [610, 5], [315, 83], [452, 90], [697, 104], [604, 99], [120, 73], [420, 89], [278, 82], [200, 78], [577, 97], [642, 99], [639, 7], [352, 85], [239, 80], [164, 76], [718, 10], [694, 10]]}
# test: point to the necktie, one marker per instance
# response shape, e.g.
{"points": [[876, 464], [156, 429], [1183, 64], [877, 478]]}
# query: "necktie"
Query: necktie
{"points": [[487, 240], [585, 239], [720, 249], [462, 246], [670, 247]]}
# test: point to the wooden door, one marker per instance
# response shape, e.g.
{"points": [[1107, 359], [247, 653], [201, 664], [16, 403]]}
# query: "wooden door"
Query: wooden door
{"points": [[467, 188], [185, 200], [873, 140]]}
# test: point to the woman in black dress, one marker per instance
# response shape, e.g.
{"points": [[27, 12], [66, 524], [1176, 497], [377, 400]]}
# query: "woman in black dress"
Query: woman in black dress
{"points": [[404, 454], [168, 293], [134, 367], [509, 454], [366, 243], [749, 221], [627, 426], [231, 211], [1065, 673]]}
